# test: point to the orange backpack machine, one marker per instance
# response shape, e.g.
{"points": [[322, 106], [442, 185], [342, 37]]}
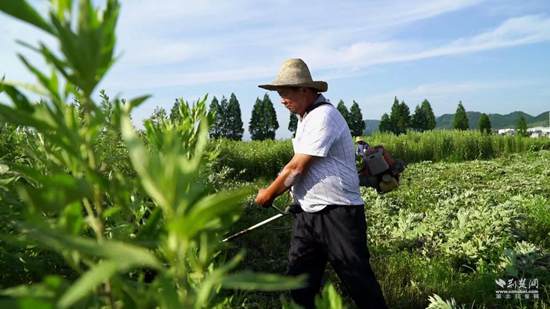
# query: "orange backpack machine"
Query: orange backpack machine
{"points": [[377, 169]]}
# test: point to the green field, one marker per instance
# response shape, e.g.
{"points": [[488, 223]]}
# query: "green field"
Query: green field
{"points": [[451, 229], [95, 213]]}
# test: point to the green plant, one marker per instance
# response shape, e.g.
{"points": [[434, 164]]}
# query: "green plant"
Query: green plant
{"points": [[145, 241]]}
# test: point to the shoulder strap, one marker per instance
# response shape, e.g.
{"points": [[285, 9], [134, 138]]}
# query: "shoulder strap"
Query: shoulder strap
{"points": [[314, 106]]}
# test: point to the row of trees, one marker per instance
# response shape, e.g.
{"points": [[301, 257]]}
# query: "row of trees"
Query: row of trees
{"points": [[228, 121], [353, 117], [263, 122], [400, 120]]}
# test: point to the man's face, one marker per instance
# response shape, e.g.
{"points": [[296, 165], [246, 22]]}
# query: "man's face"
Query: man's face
{"points": [[295, 99]]}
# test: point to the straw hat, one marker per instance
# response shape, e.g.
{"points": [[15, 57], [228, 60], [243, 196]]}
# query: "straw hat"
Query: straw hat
{"points": [[295, 73], [359, 139]]}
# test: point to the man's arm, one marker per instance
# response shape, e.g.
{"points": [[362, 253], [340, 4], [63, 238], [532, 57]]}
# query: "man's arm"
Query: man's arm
{"points": [[297, 166]]}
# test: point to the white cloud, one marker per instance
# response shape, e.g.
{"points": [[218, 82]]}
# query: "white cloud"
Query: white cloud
{"points": [[512, 32], [211, 40], [326, 54]]}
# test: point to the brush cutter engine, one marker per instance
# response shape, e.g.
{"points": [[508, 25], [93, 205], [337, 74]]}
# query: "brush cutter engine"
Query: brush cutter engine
{"points": [[377, 169]]}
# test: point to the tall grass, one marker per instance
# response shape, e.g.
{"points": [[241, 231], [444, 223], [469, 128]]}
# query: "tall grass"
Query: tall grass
{"points": [[454, 146], [250, 160]]}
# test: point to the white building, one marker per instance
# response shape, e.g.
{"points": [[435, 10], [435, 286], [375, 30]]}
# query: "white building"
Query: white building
{"points": [[532, 132], [506, 131], [539, 131]]}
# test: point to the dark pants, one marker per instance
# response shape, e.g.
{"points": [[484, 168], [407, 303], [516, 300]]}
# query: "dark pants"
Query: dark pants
{"points": [[337, 234]]}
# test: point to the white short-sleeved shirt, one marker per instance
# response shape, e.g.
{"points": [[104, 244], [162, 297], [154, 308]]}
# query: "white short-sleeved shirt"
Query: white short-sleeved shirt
{"points": [[331, 179]]}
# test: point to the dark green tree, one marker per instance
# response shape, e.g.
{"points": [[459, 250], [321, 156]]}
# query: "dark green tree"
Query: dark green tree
{"points": [[385, 124], [419, 121], [400, 117], [344, 111], [293, 124], [263, 123], [257, 121], [233, 121], [460, 121], [429, 114], [175, 115], [404, 122], [484, 124], [394, 115], [423, 118], [215, 130], [521, 126], [223, 124], [356, 124], [271, 117]]}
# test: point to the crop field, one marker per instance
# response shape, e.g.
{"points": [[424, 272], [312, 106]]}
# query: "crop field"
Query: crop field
{"points": [[451, 229]]}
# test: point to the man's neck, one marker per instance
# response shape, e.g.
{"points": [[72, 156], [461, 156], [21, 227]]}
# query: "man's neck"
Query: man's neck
{"points": [[312, 101]]}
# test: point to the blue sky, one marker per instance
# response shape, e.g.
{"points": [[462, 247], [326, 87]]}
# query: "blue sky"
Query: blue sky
{"points": [[492, 55]]}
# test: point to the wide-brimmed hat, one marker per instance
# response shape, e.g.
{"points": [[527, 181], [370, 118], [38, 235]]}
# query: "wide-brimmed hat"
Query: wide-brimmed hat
{"points": [[295, 73]]}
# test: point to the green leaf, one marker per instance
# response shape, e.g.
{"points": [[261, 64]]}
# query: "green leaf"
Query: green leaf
{"points": [[18, 98], [98, 274], [36, 89], [168, 297], [62, 8], [135, 102], [329, 299], [209, 212], [20, 9], [35, 291], [111, 211], [141, 160], [50, 84], [119, 252], [151, 227], [26, 303], [22, 118], [247, 280]]}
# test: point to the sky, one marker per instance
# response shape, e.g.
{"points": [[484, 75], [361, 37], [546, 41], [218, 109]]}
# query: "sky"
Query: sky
{"points": [[492, 55]]}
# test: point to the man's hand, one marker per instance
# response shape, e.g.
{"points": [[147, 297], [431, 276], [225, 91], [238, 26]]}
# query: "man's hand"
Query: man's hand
{"points": [[263, 198]]}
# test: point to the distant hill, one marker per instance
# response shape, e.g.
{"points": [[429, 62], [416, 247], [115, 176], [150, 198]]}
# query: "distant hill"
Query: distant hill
{"points": [[498, 121]]}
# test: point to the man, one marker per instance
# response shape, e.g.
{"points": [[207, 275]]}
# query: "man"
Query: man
{"points": [[329, 223], [362, 146]]}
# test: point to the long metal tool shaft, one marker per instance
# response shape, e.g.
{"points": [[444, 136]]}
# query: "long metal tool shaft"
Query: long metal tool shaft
{"points": [[282, 214]]}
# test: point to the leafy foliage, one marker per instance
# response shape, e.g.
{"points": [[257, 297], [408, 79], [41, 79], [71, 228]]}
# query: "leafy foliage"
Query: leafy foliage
{"points": [[215, 130], [460, 121], [423, 118], [484, 124], [141, 235], [227, 122], [233, 122], [263, 159], [357, 124], [263, 122], [341, 107], [521, 126], [400, 118], [385, 124]]}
